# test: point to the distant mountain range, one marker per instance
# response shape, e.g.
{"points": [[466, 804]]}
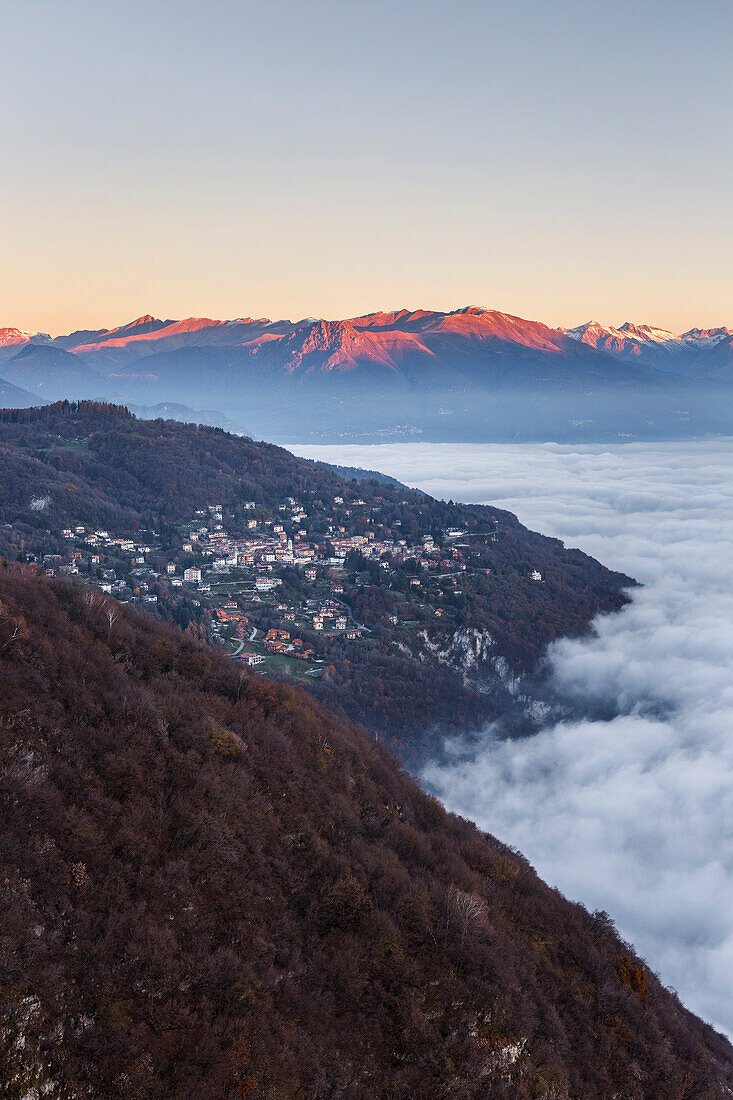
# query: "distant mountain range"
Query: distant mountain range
{"points": [[470, 374], [703, 353]]}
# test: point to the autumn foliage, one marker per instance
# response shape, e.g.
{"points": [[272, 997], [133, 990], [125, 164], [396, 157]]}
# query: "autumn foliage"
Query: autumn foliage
{"points": [[211, 888]]}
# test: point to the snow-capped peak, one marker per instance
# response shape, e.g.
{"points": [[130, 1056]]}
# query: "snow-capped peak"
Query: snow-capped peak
{"points": [[648, 333], [706, 337], [10, 336], [625, 338]]}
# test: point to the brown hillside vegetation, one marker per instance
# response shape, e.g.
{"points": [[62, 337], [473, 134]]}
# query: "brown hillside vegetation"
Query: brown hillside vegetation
{"points": [[212, 888]]}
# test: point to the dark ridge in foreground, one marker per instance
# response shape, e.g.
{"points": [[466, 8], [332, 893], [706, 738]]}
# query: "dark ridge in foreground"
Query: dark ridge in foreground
{"points": [[212, 888]]}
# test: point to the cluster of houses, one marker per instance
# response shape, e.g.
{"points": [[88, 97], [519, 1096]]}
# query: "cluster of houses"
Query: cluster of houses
{"points": [[330, 614], [279, 641], [230, 615], [117, 565], [219, 552], [98, 545], [266, 542]]}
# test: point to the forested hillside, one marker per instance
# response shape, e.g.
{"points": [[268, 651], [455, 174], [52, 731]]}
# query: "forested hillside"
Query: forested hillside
{"points": [[211, 888], [417, 614]]}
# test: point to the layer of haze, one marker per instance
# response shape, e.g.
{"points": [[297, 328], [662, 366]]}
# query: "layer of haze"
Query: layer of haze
{"points": [[326, 158], [632, 815]]}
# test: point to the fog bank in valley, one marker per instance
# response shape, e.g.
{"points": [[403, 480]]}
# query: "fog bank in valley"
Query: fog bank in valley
{"points": [[633, 815]]}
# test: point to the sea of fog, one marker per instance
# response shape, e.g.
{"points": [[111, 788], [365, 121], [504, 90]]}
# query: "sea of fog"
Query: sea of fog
{"points": [[632, 815]]}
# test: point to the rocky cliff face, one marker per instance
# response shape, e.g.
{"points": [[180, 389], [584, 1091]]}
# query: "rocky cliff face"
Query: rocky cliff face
{"points": [[524, 701], [470, 651]]}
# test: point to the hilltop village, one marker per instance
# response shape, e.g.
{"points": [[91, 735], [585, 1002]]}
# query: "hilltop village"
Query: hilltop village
{"points": [[274, 585], [403, 612]]}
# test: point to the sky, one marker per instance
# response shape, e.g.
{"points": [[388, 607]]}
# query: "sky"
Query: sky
{"points": [[293, 158], [631, 815]]}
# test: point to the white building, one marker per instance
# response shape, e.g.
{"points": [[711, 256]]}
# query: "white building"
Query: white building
{"points": [[252, 659], [266, 584]]}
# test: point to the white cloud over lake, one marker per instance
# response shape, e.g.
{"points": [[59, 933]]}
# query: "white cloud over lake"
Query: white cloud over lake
{"points": [[633, 815]]}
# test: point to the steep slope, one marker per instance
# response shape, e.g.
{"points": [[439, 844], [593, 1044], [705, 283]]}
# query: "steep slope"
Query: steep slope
{"points": [[476, 619], [212, 888]]}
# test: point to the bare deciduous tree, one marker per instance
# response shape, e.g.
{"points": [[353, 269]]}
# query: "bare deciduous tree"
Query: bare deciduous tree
{"points": [[90, 598], [243, 677], [464, 912], [112, 615], [15, 628], [17, 631]]}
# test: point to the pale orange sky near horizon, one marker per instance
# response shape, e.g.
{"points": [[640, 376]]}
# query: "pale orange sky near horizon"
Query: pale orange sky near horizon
{"points": [[330, 159]]}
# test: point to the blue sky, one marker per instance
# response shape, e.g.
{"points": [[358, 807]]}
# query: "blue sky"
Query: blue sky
{"points": [[555, 159]]}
